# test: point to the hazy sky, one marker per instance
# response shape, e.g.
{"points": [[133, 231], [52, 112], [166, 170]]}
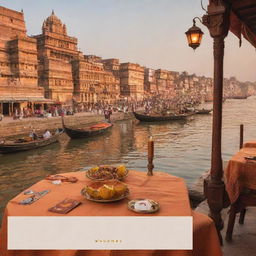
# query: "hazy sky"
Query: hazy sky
{"points": [[148, 32]]}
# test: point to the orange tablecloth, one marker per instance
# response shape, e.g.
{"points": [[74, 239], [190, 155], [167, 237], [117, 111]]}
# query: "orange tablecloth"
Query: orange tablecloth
{"points": [[250, 144], [168, 190], [240, 173]]}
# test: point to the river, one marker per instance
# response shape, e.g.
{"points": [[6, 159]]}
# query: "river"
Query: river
{"points": [[181, 148]]}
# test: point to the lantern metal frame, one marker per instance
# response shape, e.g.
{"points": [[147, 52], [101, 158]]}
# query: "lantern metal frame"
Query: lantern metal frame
{"points": [[194, 30]]}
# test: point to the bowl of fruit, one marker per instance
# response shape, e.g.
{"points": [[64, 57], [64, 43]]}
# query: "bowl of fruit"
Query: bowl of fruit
{"points": [[105, 191], [107, 172]]}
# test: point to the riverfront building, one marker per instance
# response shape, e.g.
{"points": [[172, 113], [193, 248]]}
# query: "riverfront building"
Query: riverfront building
{"points": [[92, 83], [56, 50], [49, 68], [132, 80], [150, 81], [18, 64], [66, 74]]}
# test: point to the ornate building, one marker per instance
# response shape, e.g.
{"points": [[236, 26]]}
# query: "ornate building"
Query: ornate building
{"points": [[160, 82], [56, 50], [18, 64], [66, 74], [132, 81], [150, 81], [50, 63], [112, 65], [165, 82], [92, 82]]}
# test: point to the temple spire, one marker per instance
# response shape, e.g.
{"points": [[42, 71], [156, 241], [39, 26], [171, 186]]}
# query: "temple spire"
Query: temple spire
{"points": [[53, 12]]}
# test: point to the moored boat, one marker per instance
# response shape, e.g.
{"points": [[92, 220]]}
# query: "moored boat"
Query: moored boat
{"points": [[158, 118], [91, 131], [18, 145], [239, 97], [203, 111]]}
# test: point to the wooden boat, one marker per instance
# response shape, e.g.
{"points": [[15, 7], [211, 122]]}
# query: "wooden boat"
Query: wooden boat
{"points": [[12, 146], [239, 97], [158, 118], [91, 131], [203, 111]]}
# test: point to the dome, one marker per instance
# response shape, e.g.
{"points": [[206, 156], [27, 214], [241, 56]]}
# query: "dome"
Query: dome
{"points": [[54, 24], [53, 19]]}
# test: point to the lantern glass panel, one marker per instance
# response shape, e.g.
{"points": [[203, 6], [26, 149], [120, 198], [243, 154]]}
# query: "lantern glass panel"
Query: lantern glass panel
{"points": [[195, 38], [189, 38]]}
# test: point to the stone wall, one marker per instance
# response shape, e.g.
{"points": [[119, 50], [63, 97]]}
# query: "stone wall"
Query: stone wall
{"points": [[24, 126]]}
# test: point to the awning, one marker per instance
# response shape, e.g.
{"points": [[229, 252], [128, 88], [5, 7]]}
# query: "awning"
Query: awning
{"points": [[8, 99], [243, 19]]}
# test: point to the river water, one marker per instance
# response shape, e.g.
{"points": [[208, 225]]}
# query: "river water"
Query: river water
{"points": [[181, 148]]}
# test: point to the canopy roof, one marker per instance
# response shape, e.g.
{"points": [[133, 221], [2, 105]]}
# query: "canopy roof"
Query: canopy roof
{"points": [[243, 19], [13, 99]]}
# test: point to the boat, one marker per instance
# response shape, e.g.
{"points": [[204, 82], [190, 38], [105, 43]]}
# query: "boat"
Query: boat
{"points": [[18, 145], [158, 118], [203, 111], [91, 131], [239, 97]]}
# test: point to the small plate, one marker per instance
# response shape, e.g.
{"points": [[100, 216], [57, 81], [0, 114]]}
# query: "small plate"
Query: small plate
{"points": [[88, 197], [154, 206]]}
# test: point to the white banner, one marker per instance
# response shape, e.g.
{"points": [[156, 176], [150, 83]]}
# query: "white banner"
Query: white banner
{"points": [[100, 233]]}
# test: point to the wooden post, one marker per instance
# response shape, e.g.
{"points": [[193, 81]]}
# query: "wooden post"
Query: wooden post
{"points": [[241, 135], [217, 21]]}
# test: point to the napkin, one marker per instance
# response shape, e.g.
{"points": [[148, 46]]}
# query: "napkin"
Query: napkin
{"points": [[143, 205]]}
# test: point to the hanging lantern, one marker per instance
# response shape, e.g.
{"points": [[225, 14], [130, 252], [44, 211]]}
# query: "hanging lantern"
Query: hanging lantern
{"points": [[194, 36]]}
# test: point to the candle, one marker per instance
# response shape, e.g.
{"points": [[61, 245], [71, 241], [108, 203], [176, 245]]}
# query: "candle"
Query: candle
{"points": [[150, 156], [150, 148]]}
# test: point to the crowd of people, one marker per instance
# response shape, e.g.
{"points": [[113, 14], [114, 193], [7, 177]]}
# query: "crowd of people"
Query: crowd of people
{"points": [[157, 104], [50, 111], [163, 106]]}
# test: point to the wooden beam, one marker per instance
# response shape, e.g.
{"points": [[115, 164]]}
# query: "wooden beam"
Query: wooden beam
{"points": [[244, 4]]}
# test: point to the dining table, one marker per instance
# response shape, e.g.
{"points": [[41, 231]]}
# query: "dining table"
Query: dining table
{"points": [[250, 144], [169, 191], [240, 173]]}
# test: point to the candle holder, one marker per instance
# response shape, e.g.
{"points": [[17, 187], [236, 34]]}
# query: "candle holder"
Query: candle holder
{"points": [[150, 166]]}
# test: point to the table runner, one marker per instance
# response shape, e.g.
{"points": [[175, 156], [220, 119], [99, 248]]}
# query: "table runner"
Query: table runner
{"points": [[168, 190]]}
